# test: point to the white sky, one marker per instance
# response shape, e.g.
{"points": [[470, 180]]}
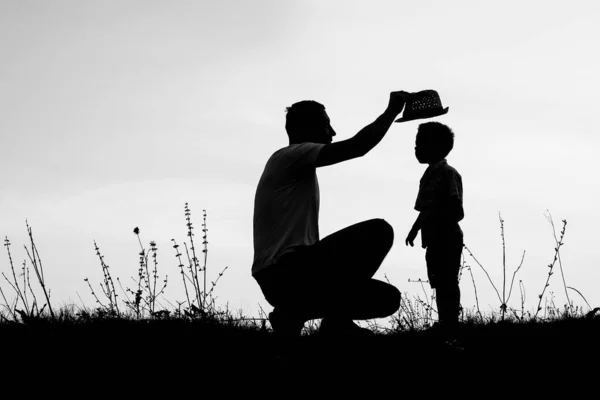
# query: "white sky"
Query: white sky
{"points": [[116, 113]]}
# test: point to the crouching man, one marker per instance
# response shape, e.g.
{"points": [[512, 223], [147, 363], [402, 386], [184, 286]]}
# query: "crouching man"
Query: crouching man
{"points": [[301, 275]]}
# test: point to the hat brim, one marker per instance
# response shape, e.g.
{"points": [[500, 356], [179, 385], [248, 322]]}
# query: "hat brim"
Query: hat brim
{"points": [[434, 113]]}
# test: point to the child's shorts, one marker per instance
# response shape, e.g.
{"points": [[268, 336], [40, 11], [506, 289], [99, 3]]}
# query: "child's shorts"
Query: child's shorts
{"points": [[443, 262]]}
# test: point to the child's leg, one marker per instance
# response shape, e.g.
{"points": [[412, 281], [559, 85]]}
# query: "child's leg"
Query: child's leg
{"points": [[448, 300], [443, 265]]}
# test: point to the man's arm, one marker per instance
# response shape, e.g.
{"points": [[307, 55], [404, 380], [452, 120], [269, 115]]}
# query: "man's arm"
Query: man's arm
{"points": [[366, 138]]}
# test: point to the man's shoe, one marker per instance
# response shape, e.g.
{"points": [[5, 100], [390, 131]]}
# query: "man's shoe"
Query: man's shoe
{"points": [[285, 324]]}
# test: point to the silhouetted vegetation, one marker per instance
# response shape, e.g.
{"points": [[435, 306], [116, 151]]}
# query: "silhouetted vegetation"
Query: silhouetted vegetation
{"points": [[146, 334]]}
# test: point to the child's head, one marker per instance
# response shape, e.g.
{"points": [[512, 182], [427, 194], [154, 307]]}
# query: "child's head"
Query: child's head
{"points": [[434, 142]]}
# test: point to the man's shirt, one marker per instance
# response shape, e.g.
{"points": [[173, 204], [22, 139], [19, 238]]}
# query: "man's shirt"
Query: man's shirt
{"points": [[439, 188], [286, 204]]}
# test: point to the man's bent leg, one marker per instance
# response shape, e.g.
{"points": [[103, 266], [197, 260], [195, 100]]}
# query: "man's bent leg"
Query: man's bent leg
{"points": [[372, 299], [355, 252], [325, 280], [343, 264], [281, 291]]}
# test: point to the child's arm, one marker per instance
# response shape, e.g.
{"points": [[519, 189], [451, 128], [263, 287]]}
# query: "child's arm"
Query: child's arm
{"points": [[412, 235], [451, 211], [455, 209], [448, 214]]}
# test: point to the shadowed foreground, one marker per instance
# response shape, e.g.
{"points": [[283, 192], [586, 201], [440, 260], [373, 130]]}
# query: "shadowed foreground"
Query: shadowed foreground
{"points": [[527, 354]]}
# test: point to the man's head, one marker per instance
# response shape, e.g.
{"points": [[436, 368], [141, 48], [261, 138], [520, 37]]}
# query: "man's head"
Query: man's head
{"points": [[434, 142], [307, 121]]}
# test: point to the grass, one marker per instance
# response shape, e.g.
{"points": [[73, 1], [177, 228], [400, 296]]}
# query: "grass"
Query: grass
{"points": [[140, 332]]}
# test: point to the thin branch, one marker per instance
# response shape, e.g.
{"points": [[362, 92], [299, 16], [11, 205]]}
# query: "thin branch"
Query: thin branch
{"points": [[38, 270], [488, 275], [586, 302], [549, 218], [515, 274]]}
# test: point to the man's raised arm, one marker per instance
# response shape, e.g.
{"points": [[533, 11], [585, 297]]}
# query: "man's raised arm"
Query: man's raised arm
{"points": [[367, 138]]}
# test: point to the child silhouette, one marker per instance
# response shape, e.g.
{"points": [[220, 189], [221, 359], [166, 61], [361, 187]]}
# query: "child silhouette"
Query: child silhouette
{"points": [[440, 206]]}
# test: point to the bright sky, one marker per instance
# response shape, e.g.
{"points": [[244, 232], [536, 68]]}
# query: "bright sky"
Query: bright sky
{"points": [[117, 113]]}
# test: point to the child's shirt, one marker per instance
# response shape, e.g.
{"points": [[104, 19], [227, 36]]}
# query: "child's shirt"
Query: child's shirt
{"points": [[438, 186]]}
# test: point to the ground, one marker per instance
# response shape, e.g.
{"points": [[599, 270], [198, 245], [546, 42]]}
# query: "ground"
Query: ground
{"points": [[537, 356]]}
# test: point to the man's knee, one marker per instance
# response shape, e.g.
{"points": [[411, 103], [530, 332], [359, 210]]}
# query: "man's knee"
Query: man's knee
{"points": [[383, 232], [391, 301], [395, 298]]}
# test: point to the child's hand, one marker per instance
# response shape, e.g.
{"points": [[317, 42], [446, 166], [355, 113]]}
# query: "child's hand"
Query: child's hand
{"points": [[411, 237]]}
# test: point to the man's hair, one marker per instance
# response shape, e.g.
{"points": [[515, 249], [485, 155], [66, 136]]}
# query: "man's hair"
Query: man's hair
{"points": [[301, 116], [439, 135]]}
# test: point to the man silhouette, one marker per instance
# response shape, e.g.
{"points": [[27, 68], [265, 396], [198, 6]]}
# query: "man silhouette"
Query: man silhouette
{"points": [[302, 276]]}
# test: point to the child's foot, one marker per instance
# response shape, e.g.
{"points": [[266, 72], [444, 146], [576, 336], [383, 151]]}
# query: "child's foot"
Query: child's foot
{"points": [[444, 328]]}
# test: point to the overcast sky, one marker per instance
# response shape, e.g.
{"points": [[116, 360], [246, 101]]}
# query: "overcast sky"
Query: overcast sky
{"points": [[117, 113]]}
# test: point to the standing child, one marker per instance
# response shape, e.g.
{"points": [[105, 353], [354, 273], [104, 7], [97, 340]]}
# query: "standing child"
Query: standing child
{"points": [[440, 206]]}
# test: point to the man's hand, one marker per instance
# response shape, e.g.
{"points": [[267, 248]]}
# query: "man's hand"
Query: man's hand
{"points": [[411, 237], [367, 138], [397, 101]]}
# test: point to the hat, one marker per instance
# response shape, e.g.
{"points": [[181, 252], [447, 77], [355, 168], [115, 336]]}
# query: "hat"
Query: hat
{"points": [[423, 104]]}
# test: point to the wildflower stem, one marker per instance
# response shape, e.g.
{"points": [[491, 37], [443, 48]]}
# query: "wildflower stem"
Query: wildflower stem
{"points": [[476, 297], [514, 274], [15, 287], [205, 251], [559, 243], [549, 218], [503, 306], [178, 255], [35, 260], [10, 309], [194, 258]]}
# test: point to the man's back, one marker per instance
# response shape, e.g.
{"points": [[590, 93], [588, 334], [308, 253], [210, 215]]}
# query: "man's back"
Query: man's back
{"points": [[286, 204]]}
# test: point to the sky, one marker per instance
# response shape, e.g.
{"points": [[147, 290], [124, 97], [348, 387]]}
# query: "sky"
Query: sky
{"points": [[117, 113]]}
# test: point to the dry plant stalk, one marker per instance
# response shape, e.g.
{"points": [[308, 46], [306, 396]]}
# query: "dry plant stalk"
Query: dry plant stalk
{"points": [[32, 310], [203, 298], [108, 288], [36, 261], [502, 299], [559, 244]]}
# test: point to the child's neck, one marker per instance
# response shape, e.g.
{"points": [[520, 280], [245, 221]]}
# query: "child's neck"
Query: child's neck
{"points": [[436, 162]]}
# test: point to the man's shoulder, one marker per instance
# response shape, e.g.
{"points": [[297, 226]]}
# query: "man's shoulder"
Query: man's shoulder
{"points": [[280, 153], [297, 148], [293, 158]]}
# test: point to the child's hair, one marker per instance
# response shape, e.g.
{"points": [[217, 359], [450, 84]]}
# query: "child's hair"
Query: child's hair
{"points": [[439, 135]]}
